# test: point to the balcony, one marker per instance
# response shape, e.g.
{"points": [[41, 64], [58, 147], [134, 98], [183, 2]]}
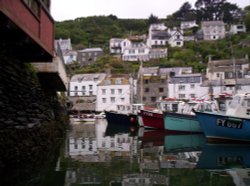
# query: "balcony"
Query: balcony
{"points": [[27, 30], [52, 76]]}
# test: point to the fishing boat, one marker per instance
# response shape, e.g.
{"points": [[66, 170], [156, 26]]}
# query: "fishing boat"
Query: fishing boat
{"points": [[233, 126], [125, 115], [152, 118], [183, 119]]}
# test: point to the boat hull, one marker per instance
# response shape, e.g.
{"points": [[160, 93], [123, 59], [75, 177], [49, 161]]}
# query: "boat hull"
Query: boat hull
{"points": [[219, 127], [181, 122], [121, 119], [152, 120]]}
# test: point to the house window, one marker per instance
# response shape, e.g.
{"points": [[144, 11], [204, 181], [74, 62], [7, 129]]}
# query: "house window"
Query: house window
{"points": [[181, 87], [83, 88], [76, 93], [104, 100], [162, 81], [33, 5], [122, 99], [144, 99], [112, 91], [182, 96], [146, 90], [178, 43], [192, 95], [90, 93], [76, 87], [112, 99], [153, 99], [90, 87], [161, 89], [103, 91], [145, 81], [192, 86], [120, 91]]}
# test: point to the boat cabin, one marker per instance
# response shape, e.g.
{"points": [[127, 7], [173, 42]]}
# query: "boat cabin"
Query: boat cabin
{"points": [[240, 106]]}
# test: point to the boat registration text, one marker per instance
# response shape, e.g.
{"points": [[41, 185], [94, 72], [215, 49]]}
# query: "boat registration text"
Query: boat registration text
{"points": [[236, 124]]}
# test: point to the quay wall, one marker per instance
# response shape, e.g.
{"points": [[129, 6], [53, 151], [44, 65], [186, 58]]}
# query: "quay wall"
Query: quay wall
{"points": [[32, 122]]}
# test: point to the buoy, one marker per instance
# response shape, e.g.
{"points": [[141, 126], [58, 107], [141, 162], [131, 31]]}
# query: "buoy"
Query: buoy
{"points": [[132, 119]]}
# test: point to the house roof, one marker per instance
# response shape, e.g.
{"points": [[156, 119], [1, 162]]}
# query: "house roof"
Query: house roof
{"points": [[115, 80], [212, 23], [88, 77], [118, 40], [91, 50]]}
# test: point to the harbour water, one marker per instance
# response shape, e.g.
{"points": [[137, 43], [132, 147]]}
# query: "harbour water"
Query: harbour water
{"points": [[97, 154]]}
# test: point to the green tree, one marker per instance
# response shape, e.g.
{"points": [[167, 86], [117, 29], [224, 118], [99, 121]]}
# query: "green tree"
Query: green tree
{"points": [[152, 19], [216, 10]]}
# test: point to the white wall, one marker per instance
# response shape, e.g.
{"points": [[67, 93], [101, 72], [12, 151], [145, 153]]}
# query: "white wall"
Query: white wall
{"points": [[125, 94]]}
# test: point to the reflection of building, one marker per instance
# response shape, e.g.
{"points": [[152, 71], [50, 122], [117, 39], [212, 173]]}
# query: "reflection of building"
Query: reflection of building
{"points": [[144, 179], [88, 143], [180, 159], [82, 176]]}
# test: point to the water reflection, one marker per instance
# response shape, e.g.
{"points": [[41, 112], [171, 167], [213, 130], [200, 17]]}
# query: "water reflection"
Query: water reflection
{"points": [[104, 154]]}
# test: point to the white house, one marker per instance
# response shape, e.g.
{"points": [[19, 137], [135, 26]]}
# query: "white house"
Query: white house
{"points": [[213, 30], [237, 28], [113, 92], [115, 45], [134, 50], [228, 75], [85, 84], [176, 37], [69, 55], [157, 35], [188, 24], [186, 86]]}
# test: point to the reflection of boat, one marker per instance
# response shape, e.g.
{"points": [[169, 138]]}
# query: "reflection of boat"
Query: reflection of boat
{"points": [[84, 118], [184, 143], [224, 156], [232, 126], [231, 159], [153, 137], [114, 128]]}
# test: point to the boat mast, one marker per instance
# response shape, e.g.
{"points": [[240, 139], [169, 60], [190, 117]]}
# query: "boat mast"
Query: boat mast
{"points": [[141, 81]]}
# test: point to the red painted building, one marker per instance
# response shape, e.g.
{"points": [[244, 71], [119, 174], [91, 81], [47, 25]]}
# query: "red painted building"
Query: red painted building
{"points": [[27, 30]]}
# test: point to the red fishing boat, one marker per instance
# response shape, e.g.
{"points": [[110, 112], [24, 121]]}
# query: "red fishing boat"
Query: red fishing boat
{"points": [[152, 118]]}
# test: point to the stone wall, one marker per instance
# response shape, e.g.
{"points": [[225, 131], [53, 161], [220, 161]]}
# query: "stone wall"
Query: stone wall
{"points": [[30, 121]]}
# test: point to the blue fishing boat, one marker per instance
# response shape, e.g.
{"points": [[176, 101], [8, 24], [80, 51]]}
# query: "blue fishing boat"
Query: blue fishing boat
{"points": [[233, 126]]}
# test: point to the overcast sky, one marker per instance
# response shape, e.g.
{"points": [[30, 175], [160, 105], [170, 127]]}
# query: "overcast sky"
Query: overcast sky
{"points": [[70, 9]]}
